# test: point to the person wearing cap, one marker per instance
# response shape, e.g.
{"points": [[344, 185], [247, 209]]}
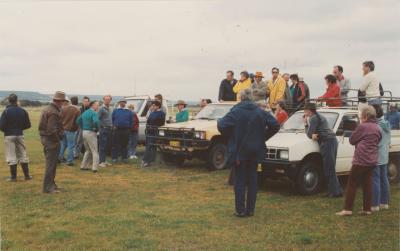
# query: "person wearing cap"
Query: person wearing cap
{"points": [[393, 116], [155, 119], [259, 87], [51, 132], [122, 120], [276, 88], [69, 114], [242, 84], [89, 122], [105, 133], [183, 114], [332, 94], [13, 121], [317, 128]]}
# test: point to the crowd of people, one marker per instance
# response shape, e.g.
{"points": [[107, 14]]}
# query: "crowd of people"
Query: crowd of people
{"points": [[64, 127]]}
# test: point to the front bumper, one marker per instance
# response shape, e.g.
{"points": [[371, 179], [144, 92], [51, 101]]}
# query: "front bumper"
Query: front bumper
{"points": [[274, 168]]}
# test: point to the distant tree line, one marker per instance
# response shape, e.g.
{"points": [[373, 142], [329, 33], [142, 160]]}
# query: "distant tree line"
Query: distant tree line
{"points": [[24, 102]]}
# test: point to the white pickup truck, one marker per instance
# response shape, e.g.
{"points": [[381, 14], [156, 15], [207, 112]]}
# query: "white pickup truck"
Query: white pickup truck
{"points": [[291, 153]]}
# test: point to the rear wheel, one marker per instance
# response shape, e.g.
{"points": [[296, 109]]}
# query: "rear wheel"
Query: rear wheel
{"points": [[218, 156], [309, 179], [173, 159], [394, 169]]}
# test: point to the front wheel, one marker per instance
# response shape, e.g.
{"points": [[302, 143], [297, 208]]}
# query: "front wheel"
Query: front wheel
{"points": [[309, 179], [394, 169], [218, 157]]}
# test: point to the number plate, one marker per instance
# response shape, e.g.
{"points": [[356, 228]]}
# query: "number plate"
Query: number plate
{"points": [[175, 143]]}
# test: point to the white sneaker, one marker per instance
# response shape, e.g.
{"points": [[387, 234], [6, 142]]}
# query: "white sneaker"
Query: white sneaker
{"points": [[384, 206], [108, 163], [133, 157], [375, 209], [102, 165]]}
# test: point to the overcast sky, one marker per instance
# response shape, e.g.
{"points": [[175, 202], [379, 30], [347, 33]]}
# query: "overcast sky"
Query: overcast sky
{"points": [[182, 49]]}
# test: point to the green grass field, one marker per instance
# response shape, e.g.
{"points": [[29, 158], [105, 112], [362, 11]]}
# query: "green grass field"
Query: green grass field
{"points": [[167, 208]]}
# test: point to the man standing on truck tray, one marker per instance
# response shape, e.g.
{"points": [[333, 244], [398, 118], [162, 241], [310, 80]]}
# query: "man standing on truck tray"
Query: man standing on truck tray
{"points": [[79, 136], [14, 120], [332, 94], [317, 129], [69, 114], [370, 84], [243, 83], [105, 134], [299, 92], [122, 120], [183, 114], [259, 87], [276, 88], [51, 132], [288, 95], [344, 83], [243, 125], [156, 119], [226, 88]]}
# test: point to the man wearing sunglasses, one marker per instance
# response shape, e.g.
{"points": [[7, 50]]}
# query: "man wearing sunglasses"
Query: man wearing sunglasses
{"points": [[276, 88]]}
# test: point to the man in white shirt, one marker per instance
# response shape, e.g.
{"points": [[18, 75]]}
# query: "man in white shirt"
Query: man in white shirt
{"points": [[370, 84]]}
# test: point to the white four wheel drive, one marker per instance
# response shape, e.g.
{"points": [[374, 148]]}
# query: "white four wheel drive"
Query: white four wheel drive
{"points": [[291, 153]]}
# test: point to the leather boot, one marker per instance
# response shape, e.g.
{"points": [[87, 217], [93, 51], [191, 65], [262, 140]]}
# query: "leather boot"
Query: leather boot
{"points": [[25, 169], [13, 171]]}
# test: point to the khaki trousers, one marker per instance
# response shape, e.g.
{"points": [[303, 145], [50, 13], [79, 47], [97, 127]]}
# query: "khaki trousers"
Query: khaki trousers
{"points": [[91, 150], [15, 151]]}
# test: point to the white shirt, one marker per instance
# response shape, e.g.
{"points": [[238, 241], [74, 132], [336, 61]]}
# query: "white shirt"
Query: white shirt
{"points": [[370, 85]]}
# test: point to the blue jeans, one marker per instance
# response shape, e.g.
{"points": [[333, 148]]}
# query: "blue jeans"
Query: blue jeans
{"points": [[68, 143], [380, 186], [104, 143], [328, 150], [376, 101], [133, 139], [246, 177]]}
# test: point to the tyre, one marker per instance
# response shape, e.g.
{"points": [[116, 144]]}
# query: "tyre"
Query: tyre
{"points": [[169, 158], [394, 169], [217, 157], [309, 179]]}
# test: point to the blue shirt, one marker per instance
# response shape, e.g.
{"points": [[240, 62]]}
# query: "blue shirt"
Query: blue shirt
{"points": [[89, 120], [394, 119], [122, 118]]}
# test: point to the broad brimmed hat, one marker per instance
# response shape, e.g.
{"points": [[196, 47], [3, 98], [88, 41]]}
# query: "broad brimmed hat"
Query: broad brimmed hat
{"points": [[259, 74], [180, 102], [60, 96], [122, 100]]}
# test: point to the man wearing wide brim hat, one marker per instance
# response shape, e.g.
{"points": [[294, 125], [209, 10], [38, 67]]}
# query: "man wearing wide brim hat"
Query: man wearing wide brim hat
{"points": [[183, 114], [259, 87], [51, 132]]}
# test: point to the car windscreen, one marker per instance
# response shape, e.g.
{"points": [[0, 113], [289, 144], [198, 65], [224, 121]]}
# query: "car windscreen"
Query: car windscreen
{"points": [[136, 102], [296, 122], [213, 111]]}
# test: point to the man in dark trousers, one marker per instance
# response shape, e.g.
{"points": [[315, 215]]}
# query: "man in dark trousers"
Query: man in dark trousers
{"points": [[318, 129], [122, 120], [51, 132], [226, 88], [247, 127], [14, 120], [155, 119]]}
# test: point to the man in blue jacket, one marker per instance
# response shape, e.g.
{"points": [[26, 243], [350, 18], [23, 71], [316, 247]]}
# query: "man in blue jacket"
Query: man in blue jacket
{"points": [[14, 120], [247, 127], [122, 120]]}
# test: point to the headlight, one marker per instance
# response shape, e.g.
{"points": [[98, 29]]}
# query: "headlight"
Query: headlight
{"points": [[200, 135], [161, 133], [284, 154]]}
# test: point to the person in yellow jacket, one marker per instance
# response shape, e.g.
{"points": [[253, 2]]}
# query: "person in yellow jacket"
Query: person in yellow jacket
{"points": [[243, 83], [276, 88]]}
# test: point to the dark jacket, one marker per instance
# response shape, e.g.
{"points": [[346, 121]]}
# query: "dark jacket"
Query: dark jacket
{"points": [[122, 118], [156, 118], [318, 124], [226, 90], [299, 95], [14, 120], [247, 127], [366, 138], [50, 124]]}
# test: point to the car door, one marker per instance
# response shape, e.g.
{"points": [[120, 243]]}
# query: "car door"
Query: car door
{"points": [[345, 149]]}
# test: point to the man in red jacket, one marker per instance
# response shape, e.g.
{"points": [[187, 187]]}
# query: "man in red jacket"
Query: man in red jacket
{"points": [[332, 94]]}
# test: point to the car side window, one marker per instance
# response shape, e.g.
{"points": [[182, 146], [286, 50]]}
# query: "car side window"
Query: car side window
{"points": [[348, 124], [146, 109]]}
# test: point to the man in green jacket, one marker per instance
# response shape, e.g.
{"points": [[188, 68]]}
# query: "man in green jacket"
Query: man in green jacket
{"points": [[89, 123], [183, 113]]}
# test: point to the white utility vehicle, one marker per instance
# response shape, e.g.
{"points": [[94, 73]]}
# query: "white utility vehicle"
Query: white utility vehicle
{"points": [[291, 153]]}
